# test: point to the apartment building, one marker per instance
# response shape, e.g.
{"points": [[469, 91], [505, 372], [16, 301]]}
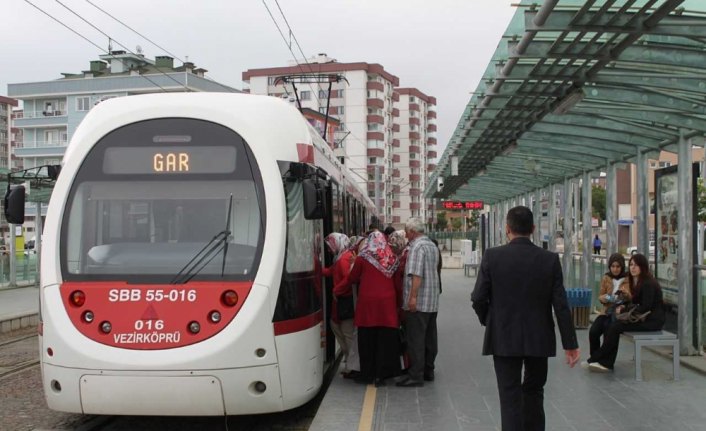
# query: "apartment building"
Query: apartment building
{"points": [[369, 109], [6, 132], [413, 154]]}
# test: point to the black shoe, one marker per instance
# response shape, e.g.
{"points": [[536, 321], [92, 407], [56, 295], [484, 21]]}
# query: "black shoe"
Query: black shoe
{"points": [[380, 382], [429, 376], [363, 381], [409, 383]]}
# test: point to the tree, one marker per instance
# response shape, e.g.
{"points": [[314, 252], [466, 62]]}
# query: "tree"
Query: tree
{"points": [[598, 199], [700, 200], [456, 223], [441, 221]]}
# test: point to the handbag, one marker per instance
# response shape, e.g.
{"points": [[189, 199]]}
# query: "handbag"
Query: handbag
{"points": [[345, 307], [631, 315]]}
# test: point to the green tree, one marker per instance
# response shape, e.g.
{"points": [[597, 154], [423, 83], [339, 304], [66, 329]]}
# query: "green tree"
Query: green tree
{"points": [[456, 223], [700, 200], [473, 220], [441, 221], [598, 199]]}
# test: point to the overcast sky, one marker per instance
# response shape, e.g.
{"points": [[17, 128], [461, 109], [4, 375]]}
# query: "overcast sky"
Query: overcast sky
{"points": [[440, 47]]}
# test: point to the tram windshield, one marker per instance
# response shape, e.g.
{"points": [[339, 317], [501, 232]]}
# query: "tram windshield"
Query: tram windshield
{"points": [[149, 227]]}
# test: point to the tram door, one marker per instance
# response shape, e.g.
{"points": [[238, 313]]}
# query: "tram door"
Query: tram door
{"points": [[333, 206]]}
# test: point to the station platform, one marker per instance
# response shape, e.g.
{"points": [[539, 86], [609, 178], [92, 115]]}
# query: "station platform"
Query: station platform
{"points": [[464, 394]]}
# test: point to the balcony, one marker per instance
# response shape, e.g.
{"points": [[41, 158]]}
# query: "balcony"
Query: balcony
{"points": [[395, 127], [376, 103], [396, 158], [413, 135], [396, 143], [395, 96], [395, 204], [431, 167], [395, 189], [376, 136], [414, 149], [40, 119], [371, 169], [414, 107], [414, 120], [431, 114], [415, 192], [376, 119], [395, 173], [431, 128], [376, 152], [415, 177], [431, 141], [395, 112], [374, 85], [396, 219], [431, 154], [415, 164], [415, 205]]}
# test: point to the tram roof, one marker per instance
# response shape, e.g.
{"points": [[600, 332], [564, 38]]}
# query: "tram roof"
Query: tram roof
{"points": [[575, 86]]}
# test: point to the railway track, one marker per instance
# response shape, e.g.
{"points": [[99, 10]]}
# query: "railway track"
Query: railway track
{"points": [[18, 352]]}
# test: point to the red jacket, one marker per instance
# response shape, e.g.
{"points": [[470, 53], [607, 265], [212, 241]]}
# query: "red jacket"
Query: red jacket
{"points": [[339, 271], [377, 297]]}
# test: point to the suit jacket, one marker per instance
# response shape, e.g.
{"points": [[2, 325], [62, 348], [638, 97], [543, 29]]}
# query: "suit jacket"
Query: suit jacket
{"points": [[517, 286]]}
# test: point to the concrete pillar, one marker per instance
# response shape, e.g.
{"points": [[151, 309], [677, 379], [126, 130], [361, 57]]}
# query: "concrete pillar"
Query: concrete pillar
{"points": [[586, 205], [567, 197], [686, 280], [537, 211], [643, 209], [552, 217], [611, 210]]}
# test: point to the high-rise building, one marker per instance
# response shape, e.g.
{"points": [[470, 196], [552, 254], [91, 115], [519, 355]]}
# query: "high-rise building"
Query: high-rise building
{"points": [[53, 109], [6, 106], [365, 101], [413, 154]]}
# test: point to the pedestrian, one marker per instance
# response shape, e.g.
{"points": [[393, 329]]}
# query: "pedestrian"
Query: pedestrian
{"points": [[597, 243], [615, 289], [376, 316], [342, 306], [421, 304], [647, 297], [517, 286]]}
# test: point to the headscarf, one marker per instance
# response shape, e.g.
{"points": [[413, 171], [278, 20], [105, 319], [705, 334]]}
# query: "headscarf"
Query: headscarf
{"points": [[397, 241], [337, 243], [616, 257], [378, 252]]}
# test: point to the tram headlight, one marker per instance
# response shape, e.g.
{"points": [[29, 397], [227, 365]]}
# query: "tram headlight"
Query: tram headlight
{"points": [[194, 327], [229, 298], [106, 327], [215, 316], [88, 316], [77, 298]]}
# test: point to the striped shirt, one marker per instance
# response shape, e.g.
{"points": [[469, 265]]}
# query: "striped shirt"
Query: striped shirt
{"points": [[422, 260]]}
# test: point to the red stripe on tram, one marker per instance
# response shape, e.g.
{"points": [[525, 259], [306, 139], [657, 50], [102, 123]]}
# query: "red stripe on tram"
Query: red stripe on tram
{"points": [[299, 324]]}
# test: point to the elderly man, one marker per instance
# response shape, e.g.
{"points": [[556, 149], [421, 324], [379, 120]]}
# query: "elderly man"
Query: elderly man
{"points": [[421, 304]]}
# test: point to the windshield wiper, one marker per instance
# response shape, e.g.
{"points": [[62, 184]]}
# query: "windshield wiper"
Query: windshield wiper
{"points": [[218, 243]]}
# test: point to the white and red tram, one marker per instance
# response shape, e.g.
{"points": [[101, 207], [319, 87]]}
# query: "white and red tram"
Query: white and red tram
{"points": [[181, 258]]}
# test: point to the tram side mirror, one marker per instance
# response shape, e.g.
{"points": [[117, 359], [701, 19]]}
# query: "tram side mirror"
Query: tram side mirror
{"points": [[314, 203], [15, 204]]}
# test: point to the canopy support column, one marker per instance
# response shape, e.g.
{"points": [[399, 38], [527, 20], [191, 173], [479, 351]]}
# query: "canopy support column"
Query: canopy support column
{"points": [[611, 206], [587, 261], [552, 218], [566, 197], [537, 210], [685, 252], [643, 209]]}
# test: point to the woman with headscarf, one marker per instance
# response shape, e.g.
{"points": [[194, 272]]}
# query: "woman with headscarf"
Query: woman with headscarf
{"points": [[342, 324], [376, 311], [648, 300], [615, 290], [398, 244]]}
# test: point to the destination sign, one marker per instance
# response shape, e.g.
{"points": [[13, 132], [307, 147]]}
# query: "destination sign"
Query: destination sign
{"points": [[170, 160], [462, 205]]}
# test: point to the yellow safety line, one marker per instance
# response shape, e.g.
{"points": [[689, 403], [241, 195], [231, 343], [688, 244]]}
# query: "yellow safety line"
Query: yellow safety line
{"points": [[366, 415]]}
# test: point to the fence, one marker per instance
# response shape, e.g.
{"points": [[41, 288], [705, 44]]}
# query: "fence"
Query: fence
{"points": [[25, 267]]}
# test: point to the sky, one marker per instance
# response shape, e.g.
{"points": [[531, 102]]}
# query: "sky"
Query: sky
{"points": [[441, 47]]}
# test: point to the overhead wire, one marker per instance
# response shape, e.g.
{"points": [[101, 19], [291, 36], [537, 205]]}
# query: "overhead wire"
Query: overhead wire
{"points": [[152, 42], [87, 40], [123, 46]]}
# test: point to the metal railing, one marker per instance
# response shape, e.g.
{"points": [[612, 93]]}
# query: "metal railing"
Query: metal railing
{"points": [[25, 267]]}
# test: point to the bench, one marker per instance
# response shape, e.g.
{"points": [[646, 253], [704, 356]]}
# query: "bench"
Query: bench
{"points": [[654, 338], [467, 269]]}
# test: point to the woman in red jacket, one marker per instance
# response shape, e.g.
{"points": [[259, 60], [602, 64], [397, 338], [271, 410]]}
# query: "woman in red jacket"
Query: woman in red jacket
{"points": [[342, 326], [376, 311]]}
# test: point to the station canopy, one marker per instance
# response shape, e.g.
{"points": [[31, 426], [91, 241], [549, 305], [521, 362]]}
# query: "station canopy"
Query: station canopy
{"points": [[573, 87]]}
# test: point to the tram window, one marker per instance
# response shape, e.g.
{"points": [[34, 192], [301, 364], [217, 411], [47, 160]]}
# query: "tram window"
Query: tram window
{"points": [[300, 232]]}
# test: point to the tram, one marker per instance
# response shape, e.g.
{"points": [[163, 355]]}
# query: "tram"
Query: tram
{"points": [[182, 254]]}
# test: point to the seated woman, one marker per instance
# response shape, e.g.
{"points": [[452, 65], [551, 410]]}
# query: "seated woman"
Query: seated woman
{"points": [[615, 288], [647, 296]]}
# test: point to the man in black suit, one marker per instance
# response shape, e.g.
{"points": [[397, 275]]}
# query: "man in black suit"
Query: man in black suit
{"points": [[517, 286]]}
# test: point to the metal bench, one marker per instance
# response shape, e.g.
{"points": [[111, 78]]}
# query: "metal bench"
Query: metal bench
{"points": [[467, 269], [654, 338]]}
